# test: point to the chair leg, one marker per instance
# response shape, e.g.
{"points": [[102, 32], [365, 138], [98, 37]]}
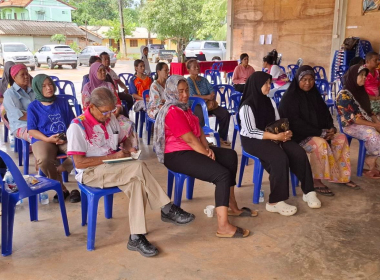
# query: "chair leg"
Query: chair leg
{"points": [[92, 217], [149, 128], [65, 175], [361, 158], [63, 210], [108, 206], [242, 166], [217, 137], [33, 208], [258, 172], [179, 182], [169, 189], [294, 180], [8, 207], [190, 187], [84, 206], [18, 143], [234, 139], [25, 155], [141, 126], [137, 114], [6, 132]]}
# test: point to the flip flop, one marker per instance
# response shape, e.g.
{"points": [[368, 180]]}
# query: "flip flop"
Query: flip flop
{"points": [[318, 190], [371, 175], [239, 233], [246, 213], [354, 187]]}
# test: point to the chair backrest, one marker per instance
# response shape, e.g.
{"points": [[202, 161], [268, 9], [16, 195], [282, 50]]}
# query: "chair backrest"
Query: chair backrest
{"points": [[72, 100], [229, 78], [338, 117], [278, 95], [339, 78], [323, 88], [293, 70], [213, 74], [125, 78], [320, 72], [222, 91], [145, 94], [235, 99], [282, 68], [217, 66], [23, 188], [202, 103], [343, 68], [153, 75], [64, 87], [54, 78]]}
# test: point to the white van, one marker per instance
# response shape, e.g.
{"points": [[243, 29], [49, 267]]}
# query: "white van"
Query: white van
{"points": [[18, 53]]}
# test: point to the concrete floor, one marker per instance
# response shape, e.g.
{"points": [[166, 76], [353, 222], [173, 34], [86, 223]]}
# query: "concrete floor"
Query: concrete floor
{"points": [[338, 241]]}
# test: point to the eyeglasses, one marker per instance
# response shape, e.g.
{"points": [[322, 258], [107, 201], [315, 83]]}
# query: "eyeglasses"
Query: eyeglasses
{"points": [[106, 113]]}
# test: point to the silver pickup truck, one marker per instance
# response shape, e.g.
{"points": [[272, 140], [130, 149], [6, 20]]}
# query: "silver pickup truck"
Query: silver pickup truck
{"points": [[157, 52], [210, 49]]}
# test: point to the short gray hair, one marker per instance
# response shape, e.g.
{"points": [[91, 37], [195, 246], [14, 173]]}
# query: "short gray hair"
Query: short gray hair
{"points": [[102, 96]]}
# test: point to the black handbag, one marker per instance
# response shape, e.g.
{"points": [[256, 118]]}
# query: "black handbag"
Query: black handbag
{"points": [[277, 127]]}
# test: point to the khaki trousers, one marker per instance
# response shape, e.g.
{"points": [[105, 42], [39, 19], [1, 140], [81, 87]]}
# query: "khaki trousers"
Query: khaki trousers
{"points": [[46, 153], [136, 181]]}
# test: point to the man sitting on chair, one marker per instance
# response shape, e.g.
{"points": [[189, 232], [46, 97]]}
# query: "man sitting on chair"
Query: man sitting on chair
{"points": [[96, 136]]}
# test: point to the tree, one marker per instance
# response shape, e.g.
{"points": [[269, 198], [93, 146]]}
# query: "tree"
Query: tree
{"points": [[88, 10], [214, 16], [114, 32], [180, 25], [58, 38]]}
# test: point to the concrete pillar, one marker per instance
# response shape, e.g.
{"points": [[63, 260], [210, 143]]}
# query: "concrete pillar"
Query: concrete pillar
{"points": [[230, 9]]}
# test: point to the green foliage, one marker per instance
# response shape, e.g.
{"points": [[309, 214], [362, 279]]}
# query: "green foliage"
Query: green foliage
{"points": [[75, 47], [214, 16], [58, 38], [88, 10]]}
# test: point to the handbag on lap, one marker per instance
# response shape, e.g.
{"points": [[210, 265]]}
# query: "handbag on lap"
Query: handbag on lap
{"points": [[211, 104], [277, 127]]}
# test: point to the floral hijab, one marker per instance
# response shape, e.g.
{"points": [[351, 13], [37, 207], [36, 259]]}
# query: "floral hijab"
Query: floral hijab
{"points": [[171, 99]]}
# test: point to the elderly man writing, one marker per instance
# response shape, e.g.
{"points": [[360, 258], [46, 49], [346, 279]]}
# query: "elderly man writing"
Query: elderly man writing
{"points": [[96, 136]]}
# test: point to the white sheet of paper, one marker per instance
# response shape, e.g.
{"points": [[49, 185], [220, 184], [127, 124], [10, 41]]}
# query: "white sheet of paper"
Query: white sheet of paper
{"points": [[269, 39]]}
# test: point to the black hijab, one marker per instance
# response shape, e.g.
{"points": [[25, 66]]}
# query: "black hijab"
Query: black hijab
{"points": [[260, 104], [357, 91], [7, 79]]}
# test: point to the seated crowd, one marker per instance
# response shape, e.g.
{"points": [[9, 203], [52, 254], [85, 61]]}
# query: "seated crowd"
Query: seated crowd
{"points": [[311, 148]]}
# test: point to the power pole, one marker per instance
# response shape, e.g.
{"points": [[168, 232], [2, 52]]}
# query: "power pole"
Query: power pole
{"points": [[122, 33]]}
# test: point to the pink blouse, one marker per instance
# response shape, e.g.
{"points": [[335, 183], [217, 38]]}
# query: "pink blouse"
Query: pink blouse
{"points": [[241, 74]]}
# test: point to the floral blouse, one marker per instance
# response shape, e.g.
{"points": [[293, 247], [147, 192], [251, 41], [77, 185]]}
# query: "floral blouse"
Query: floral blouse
{"points": [[349, 109], [156, 96]]}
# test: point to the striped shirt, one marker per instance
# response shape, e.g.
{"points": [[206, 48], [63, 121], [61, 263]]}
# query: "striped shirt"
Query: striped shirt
{"points": [[248, 123]]}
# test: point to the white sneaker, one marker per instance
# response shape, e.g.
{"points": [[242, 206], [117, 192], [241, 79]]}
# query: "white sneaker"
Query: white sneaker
{"points": [[312, 200], [281, 208]]}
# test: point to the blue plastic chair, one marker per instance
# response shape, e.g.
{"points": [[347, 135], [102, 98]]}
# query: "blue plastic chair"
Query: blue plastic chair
{"points": [[149, 121], [206, 129], [217, 66], [343, 68], [225, 92], [125, 78], [235, 101], [362, 149], [293, 70], [229, 78], [258, 171], [179, 182], [152, 75], [324, 89], [64, 86], [9, 201], [214, 76], [54, 78], [320, 72], [72, 100], [282, 68], [278, 95]]}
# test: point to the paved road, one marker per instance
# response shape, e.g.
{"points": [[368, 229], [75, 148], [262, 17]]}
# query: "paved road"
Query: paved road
{"points": [[76, 75]]}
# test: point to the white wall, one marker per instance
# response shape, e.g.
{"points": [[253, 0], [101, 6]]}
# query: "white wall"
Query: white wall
{"points": [[27, 40]]}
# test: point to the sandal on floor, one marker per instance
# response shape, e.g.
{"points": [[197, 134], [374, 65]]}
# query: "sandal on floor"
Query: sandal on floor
{"points": [[312, 200], [352, 185], [246, 213], [281, 208], [324, 191], [239, 233], [225, 143], [372, 174], [74, 196], [65, 195]]}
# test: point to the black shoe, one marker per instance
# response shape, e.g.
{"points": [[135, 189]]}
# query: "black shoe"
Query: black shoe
{"points": [[74, 196], [177, 216], [143, 246], [65, 195]]}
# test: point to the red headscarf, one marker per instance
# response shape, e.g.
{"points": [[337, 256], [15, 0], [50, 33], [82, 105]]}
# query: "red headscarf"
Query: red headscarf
{"points": [[16, 68]]}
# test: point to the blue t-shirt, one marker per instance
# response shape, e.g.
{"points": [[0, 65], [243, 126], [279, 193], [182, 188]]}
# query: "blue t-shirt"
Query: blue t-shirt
{"points": [[205, 88], [51, 119]]}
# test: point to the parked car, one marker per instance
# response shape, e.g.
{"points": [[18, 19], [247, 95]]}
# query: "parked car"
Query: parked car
{"points": [[18, 53], [209, 48], [157, 52], [53, 55], [87, 52]]}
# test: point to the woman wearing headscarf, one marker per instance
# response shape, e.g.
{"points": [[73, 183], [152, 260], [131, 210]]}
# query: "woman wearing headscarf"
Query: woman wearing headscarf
{"points": [[181, 145], [144, 57], [313, 128], [98, 77], [5, 83], [256, 112], [17, 99], [157, 90], [357, 118], [48, 120], [242, 72]]}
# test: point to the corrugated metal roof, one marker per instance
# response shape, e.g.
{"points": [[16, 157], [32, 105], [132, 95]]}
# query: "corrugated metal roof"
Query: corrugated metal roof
{"points": [[24, 3], [39, 28]]}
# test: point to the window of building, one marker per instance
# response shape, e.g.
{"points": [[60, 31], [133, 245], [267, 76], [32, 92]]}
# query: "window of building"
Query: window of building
{"points": [[40, 15], [9, 16], [15, 16], [22, 16], [133, 43], [64, 12]]}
